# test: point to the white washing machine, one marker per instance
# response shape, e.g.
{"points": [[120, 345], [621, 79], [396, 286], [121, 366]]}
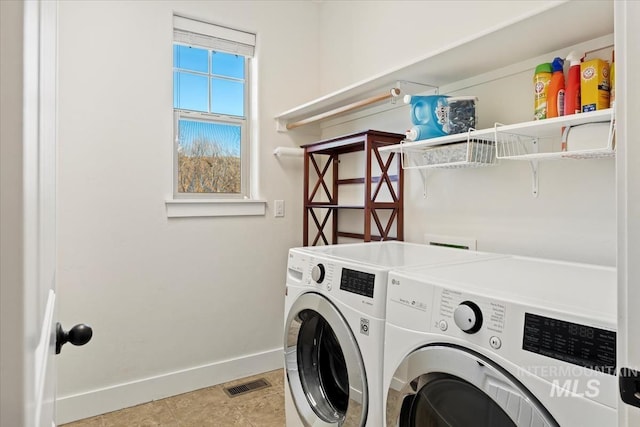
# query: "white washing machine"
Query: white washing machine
{"points": [[508, 341], [334, 328]]}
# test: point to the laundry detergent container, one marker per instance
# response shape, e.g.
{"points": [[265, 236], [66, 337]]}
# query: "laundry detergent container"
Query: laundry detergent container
{"points": [[440, 115]]}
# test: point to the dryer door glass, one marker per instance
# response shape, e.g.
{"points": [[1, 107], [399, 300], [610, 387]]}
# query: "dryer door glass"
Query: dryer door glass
{"points": [[449, 401], [325, 370], [447, 385]]}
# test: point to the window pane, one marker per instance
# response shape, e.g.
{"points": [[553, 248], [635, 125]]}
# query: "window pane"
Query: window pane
{"points": [[227, 97], [191, 58], [227, 64], [208, 157], [190, 92]]}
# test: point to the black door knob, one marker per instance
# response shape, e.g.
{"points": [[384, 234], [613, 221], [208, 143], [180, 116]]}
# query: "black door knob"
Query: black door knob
{"points": [[78, 335]]}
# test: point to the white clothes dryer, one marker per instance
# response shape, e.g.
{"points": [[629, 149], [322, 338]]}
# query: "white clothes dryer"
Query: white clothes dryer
{"points": [[334, 328], [508, 341]]}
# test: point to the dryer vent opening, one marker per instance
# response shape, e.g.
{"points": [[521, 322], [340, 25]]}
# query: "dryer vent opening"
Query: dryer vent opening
{"points": [[245, 388]]}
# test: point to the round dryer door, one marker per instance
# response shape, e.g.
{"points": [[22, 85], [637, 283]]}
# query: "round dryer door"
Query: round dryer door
{"points": [[324, 366], [451, 386]]}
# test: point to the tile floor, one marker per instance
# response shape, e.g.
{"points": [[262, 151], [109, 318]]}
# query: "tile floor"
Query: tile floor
{"points": [[206, 407]]}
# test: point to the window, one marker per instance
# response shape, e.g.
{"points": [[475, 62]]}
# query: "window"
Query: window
{"points": [[211, 114]]}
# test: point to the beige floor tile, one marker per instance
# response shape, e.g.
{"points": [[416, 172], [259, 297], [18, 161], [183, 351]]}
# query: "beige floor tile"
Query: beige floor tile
{"points": [[154, 414], [206, 407], [264, 411], [87, 422]]}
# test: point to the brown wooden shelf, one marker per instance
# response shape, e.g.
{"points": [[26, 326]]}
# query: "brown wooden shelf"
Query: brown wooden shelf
{"points": [[322, 181], [361, 236], [374, 179], [333, 206], [374, 205]]}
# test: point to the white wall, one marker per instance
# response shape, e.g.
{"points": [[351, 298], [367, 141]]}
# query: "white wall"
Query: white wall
{"points": [[12, 299], [574, 216], [175, 304], [363, 38]]}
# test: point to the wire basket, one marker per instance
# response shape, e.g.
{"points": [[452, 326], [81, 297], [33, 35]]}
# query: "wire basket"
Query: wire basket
{"points": [[474, 152]]}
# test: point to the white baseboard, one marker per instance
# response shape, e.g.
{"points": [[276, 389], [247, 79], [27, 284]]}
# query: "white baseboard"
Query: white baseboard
{"points": [[95, 402]]}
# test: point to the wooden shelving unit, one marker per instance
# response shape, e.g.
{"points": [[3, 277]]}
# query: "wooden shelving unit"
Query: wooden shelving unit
{"points": [[322, 184]]}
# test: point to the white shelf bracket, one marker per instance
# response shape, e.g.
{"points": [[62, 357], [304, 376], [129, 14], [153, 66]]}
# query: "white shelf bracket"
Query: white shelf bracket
{"points": [[408, 87], [423, 174], [281, 125], [422, 171], [534, 171], [534, 178]]}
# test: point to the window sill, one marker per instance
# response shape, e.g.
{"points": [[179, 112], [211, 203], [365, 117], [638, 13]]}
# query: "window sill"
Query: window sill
{"points": [[177, 208]]}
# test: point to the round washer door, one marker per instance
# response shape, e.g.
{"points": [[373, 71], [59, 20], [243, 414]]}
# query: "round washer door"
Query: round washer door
{"points": [[324, 366], [451, 386]]}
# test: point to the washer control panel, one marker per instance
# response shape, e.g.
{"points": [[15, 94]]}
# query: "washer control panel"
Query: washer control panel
{"points": [[353, 284], [357, 282], [320, 274], [317, 273]]}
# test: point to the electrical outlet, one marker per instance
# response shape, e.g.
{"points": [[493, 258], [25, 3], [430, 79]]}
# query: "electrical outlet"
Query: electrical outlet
{"points": [[279, 208]]}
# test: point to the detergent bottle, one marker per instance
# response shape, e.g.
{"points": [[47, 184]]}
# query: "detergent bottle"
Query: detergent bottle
{"points": [[572, 93], [440, 115], [428, 114], [555, 97], [541, 80]]}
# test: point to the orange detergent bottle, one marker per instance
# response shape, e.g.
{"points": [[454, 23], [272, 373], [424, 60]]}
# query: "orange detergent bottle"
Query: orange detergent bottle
{"points": [[572, 93], [555, 96]]}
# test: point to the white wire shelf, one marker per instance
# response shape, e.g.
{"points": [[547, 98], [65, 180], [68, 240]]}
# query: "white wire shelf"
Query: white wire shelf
{"points": [[533, 140], [555, 139]]}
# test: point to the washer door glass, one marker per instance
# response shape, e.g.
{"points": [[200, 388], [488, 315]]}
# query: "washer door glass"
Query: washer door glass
{"points": [[324, 366], [449, 401]]}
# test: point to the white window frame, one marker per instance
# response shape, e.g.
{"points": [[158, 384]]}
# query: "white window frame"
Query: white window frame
{"points": [[223, 39]]}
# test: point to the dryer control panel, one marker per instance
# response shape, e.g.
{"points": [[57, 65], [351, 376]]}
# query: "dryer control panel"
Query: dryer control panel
{"points": [[470, 312], [534, 336], [474, 317], [429, 308]]}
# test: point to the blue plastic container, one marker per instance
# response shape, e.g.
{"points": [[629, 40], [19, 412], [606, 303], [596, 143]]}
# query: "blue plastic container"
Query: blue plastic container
{"points": [[440, 115]]}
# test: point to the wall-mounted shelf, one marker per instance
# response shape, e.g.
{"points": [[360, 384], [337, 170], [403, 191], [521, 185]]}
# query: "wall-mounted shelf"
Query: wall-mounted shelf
{"points": [[508, 43], [533, 130], [532, 141]]}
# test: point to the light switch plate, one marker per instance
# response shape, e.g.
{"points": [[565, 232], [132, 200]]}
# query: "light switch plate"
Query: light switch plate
{"points": [[279, 208]]}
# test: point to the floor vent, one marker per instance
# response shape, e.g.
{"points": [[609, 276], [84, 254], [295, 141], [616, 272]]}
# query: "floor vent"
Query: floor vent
{"points": [[245, 388]]}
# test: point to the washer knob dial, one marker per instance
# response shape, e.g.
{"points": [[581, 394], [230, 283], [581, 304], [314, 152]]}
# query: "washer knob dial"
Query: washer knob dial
{"points": [[468, 317], [317, 273]]}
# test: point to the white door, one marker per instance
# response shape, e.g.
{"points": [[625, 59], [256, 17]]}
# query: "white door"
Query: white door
{"points": [[28, 231], [627, 45], [29, 127]]}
